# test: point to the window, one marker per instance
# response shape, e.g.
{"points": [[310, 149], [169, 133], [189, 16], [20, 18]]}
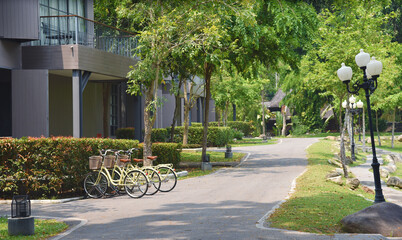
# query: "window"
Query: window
{"points": [[114, 109]]}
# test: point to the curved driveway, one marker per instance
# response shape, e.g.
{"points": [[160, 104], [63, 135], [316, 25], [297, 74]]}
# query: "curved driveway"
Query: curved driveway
{"points": [[223, 205]]}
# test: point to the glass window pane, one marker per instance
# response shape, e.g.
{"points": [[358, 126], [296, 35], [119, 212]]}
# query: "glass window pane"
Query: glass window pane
{"points": [[72, 7], [63, 7], [54, 4]]}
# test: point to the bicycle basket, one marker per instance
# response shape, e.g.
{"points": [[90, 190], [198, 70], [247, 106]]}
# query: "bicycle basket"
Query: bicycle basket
{"points": [[120, 163], [109, 161], [95, 162]]}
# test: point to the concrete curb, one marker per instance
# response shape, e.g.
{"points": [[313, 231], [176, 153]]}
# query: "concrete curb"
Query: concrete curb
{"points": [[46, 201]]}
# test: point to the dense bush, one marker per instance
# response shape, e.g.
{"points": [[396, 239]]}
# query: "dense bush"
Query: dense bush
{"points": [[48, 167], [246, 128], [159, 135], [217, 136], [125, 133], [238, 134], [166, 152], [196, 124]]}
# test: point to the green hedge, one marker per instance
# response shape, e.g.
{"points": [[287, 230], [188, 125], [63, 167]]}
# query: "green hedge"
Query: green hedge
{"points": [[125, 133], [49, 167], [246, 128], [166, 152], [217, 136], [159, 135]]}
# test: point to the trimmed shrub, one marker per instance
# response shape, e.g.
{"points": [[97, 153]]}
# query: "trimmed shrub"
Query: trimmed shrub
{"points": [[196, 124], [159, 135], [246, 128], [217, 136], [125, 133], [166, 152], [238, 134], [192, 146], [49, 167]]}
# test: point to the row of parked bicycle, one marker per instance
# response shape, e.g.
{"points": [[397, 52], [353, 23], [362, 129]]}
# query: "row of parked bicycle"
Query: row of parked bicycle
{"points": [[112, 173]]}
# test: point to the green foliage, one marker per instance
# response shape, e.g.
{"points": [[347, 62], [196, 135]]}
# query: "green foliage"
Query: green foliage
{"points": [[49, 167], [192, 146], [247, 128], [196, 124], [125, 133], [238, 134], [159, 135], [166, 152], [297, 127], [217, 136]]}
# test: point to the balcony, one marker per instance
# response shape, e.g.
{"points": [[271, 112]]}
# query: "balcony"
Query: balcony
{"points": [[73, 29]]}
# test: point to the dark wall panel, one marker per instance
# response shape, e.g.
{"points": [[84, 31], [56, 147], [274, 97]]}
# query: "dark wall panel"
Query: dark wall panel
{"points": [[19, 19]]}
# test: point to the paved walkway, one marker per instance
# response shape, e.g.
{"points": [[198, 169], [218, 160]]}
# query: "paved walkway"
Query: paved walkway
{"points": [[366, 177], [229, 204]]}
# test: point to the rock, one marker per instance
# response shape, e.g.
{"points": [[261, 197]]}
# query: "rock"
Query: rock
{"points": [[332, 174], [396, 157], [334, 162], [339, 170], [390, 168], [394, 182], [338, 180], [352, 183], [390, 159], [333, 138], [382, 218], [384, 172], [348, 160], [367, 189], [400, 138]]}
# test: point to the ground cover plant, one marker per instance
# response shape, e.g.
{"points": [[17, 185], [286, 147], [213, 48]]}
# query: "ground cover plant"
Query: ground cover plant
{"points": [[252, 142], [43, 229], [317, 205]]}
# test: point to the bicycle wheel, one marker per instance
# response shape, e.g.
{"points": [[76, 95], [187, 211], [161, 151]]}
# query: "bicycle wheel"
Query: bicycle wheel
{"points": [[136, 183], [168, 178], [154, 180], [95, 184], [113, 190]]}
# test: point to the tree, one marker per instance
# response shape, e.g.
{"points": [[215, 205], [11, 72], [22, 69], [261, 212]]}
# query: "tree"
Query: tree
{"points": [[346, 28]]}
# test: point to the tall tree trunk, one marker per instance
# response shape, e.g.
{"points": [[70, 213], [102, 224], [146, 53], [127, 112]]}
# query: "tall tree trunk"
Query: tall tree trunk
{"points": [[176, 111], [284, 121], [148, 119], [342, 143], [378, 131], [393, 129], [186, 112], [208, 68], [264, 134], [364, 131]]}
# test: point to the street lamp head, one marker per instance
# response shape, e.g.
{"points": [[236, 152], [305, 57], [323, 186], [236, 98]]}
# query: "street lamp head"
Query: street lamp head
{"points": [[362, 59], [352, 99], [374, 67], [352, 105], [359, 104], [344, 104], [368, 75], [345, 73]]}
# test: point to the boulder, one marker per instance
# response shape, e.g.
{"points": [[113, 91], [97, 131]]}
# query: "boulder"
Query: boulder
{"points": [[396, 157], [384, 172], [400, 138], [332, 174], [394, 182], [348, 160], [338, 180], [367, 189], [390, 168], [352, 183], [382, 218], [333, 138]]}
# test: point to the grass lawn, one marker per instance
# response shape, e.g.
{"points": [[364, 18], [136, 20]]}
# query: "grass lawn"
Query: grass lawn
{"points": [[386, 145], [318, 206], [252, 142], [43, 229], [214, 157]]}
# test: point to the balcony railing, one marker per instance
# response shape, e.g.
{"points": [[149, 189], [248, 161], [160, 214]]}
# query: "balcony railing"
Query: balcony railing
{"points": [[73, 29]]}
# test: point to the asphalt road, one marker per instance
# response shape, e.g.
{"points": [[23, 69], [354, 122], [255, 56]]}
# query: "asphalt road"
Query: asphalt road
{"points": [[225, 205]]}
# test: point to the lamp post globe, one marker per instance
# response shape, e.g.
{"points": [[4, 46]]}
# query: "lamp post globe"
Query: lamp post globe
{"points": [[371, 71]]}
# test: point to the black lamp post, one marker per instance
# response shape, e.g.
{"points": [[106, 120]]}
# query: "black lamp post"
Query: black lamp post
{"points": [[371, 71], [353, 110]]}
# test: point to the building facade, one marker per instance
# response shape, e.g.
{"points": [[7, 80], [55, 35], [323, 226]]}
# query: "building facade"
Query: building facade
{"points": [[64, 74]]}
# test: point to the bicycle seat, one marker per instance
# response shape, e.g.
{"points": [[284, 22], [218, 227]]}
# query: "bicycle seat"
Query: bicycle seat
{"points": [[137, 160], [152, 158], [125, 160]]}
